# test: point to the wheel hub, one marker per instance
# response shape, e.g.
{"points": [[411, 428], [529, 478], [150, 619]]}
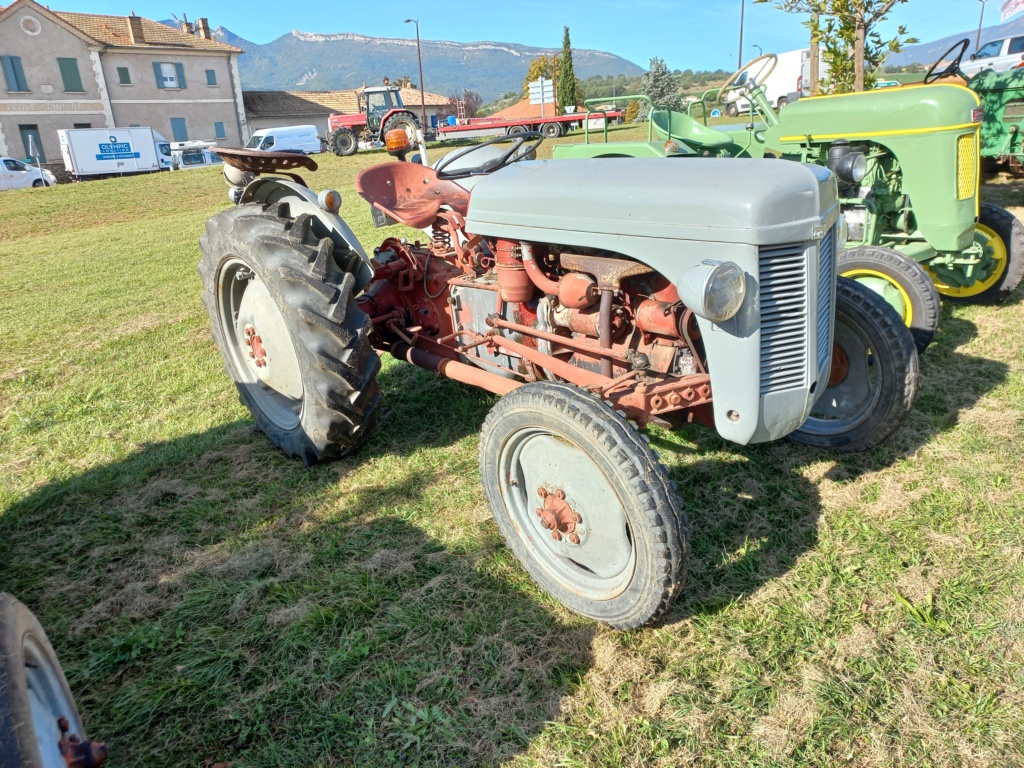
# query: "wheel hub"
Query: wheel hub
{"points": [[840, 366], [257, 353], [557, 516]]}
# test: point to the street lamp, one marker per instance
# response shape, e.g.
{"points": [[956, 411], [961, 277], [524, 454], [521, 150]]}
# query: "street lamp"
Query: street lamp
{"points": [[419, 58], [977, 44], [759, 51], [743, 8]]}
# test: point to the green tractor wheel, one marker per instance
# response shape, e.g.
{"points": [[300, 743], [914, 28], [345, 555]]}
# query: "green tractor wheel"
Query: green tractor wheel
{"points": [[905, 285], [1003, 238]]}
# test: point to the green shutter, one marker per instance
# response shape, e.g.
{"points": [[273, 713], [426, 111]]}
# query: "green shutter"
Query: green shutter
{"points": [[159, 74], [218, 131], [12, 83], [180, 71], [70, 75], [19, 74], [124, 77], [211, 77]]}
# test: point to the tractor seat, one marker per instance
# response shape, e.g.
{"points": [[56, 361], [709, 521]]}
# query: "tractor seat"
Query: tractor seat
{"points": [[410, 193], [688, 131]]}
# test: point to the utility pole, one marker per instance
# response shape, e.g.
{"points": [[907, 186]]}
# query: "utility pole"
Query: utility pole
{"points": [[419, 58], [743, 8], [977, 43]]}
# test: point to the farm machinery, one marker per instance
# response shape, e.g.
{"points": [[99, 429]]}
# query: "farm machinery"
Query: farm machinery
{"points": [[704, 293], [380, 110], [907, 162]]}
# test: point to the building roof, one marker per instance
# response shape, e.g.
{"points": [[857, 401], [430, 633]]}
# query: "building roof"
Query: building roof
{"points": [[115, 32], [524, 109], [313, 103]]}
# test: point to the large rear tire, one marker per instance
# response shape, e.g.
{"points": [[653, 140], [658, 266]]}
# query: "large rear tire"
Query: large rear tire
{"points": [[583, 503], [551, 130], [405, 122], [34, 694], [282, 305], [874, 379], [343, 142], [1003, 236], [904, 284]]}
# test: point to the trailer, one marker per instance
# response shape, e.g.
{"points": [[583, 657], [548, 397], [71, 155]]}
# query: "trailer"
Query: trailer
{"points": [[103, 152], [552, 127]]}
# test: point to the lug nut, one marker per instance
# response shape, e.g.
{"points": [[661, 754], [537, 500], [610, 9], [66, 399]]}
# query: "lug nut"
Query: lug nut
{"points": [[574, 538], [559, 494], [542, 492], [556, 535]]}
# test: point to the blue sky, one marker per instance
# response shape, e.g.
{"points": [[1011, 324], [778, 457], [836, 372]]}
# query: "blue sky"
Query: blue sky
{"points": [[687, 34]]}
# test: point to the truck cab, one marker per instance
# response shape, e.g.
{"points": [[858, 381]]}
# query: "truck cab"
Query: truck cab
{"points": [[377, 102]]}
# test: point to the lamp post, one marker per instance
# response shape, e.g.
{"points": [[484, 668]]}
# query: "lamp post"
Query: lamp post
{"points": [[419, 58], [760, 52], [977, 43], [743, 9]]}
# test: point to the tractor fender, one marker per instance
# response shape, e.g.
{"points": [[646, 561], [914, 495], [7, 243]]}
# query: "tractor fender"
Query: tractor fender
{"points": [[271, 190]]}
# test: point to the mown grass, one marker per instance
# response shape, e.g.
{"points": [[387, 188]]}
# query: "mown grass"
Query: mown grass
{"points": [[214, 602]]}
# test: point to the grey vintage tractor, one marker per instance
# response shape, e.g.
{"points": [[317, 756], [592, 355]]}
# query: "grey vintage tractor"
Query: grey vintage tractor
{"points": [[596, 298]]}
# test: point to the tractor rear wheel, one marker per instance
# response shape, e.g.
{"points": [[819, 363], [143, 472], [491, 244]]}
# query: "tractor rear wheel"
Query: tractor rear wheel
{"points": [[904, 284], [282, 305], [551, 130], [1003, 237], [583, 503], [343, 142], [34, 696], [874, 379], [404, 122]]}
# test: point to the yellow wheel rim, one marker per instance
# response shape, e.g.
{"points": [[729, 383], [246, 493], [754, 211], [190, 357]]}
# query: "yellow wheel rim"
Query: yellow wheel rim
{"points": [[991, 240], [884, 285]]}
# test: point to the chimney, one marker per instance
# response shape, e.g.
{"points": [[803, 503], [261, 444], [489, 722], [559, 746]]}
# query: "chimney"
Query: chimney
{"points": [[135, 27], [203, 27]]}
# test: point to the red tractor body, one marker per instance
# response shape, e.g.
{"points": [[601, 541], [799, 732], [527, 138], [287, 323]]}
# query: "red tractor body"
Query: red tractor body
{"points": [[380, 110]]}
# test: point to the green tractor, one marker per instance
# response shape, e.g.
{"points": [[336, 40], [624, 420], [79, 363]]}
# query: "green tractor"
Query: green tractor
{"points": [[907, 164]]}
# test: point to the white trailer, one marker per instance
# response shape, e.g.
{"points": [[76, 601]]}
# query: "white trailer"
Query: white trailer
{"points": [[101, 152]]}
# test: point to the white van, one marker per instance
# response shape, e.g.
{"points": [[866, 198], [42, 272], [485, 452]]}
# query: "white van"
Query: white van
{"points": [[782, 84], [291, 138]]}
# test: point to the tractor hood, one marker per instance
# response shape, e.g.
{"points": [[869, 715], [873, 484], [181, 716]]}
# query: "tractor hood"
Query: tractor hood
{"points": [[606, 202], [873, 114]]}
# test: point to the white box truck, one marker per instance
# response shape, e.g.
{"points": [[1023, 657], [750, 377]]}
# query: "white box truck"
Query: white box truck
{"points": [[782, 85], [102, 152]]}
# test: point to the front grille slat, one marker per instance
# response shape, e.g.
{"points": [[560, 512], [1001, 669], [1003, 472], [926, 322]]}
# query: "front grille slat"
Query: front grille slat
{"points": [[782, 273], [826, 284]]}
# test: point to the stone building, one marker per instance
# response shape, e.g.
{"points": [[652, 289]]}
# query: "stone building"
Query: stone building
{"points": [[79, 70]]}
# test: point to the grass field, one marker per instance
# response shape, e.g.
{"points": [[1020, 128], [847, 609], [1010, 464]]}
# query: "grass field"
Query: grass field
{"points": [[213, 602]]}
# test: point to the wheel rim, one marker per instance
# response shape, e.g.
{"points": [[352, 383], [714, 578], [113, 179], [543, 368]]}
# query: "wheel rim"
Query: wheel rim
{"points": [[855, 385], [593, 557], [47, 702], [895, 295], [257, 339], [995, 248], [344, 141]]}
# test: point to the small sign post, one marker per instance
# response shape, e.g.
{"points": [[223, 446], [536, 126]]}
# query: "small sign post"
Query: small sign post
{"points": [[543, 90]]}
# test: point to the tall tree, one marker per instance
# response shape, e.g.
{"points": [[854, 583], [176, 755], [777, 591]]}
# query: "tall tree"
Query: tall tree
{"points": [[542, 66], [854, 48], [659, 85], [567, 90]]}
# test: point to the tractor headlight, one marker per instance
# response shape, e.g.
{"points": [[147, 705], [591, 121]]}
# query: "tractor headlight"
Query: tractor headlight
{"points": [[714, 290], [852, 168]]}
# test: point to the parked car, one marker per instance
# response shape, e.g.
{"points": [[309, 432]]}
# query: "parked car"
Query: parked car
{"points": [[193, 154], [997, 55], [290, 138], [15, 174]]}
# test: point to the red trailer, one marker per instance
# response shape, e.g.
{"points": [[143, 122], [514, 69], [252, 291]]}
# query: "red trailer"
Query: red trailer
{"points": [[552, 127]]}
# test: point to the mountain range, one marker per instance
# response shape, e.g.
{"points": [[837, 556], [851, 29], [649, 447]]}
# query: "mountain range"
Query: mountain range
{"points": [[310, 61], [926, 53]]}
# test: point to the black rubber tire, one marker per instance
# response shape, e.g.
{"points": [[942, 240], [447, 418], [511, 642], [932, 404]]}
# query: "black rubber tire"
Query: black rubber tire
{"points": [[19, 746], [783, 102], [1010, 230], [551, 130], [911, 277], [38, 183], [894, 362], [402, 121], [343, 142], [517, 129], [732, 110], [657, 523], [307, 279]]}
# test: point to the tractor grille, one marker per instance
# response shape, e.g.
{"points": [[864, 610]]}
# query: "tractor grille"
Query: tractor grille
{"points": [[826, 280], [966, 166], [782, 273]]}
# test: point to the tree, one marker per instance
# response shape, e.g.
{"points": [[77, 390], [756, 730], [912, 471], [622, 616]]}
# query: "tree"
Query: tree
{"points": [[542, 66], [854, 49], [567, 90], [659, 85]]}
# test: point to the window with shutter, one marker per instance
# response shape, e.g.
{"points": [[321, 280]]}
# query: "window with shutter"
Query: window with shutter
{"points": [[178, 129], [14, 74], [70, 75], [124, 77], [211, 77], [218, 131], [166, 75]]}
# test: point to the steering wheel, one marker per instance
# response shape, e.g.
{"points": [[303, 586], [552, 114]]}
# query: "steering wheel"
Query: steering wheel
{"points": [[514, 153], [953, 68], [742, 77]]}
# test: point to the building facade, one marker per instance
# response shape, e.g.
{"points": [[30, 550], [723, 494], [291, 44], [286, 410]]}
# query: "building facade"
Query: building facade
{"points": [[76, 70]]}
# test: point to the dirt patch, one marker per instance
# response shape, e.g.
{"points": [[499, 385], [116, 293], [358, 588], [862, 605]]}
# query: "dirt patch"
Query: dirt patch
{"points": [[387, 562]]}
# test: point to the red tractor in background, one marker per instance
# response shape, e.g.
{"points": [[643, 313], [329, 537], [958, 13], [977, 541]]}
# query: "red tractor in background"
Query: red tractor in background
{"points": [[380, 110]]}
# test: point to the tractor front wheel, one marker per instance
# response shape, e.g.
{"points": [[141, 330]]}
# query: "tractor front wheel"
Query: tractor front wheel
{"points": [[343, 142], [874, 378], [1002, 236], [583, 503], [282, 305], [905, 285]]}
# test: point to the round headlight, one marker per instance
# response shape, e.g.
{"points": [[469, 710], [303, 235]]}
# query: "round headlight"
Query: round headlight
{"points": [[724, 291], [853, 168]]}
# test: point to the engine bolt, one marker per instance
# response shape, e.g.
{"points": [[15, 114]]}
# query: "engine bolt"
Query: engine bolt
{"points": [[556, 535], [542, 492], [576, 518], [559, 494], [540, 512], [574, 538]]}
